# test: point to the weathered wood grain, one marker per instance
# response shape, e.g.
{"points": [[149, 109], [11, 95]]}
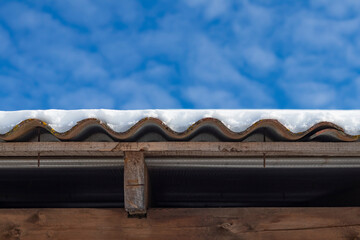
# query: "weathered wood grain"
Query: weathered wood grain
{"points": [[201, 149], [135, 183], [220, 223]]}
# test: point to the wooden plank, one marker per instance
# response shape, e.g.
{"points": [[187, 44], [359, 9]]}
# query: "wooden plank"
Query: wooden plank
{"points": [[59, 149], [161, 224], [135, 183], [197, 149]]}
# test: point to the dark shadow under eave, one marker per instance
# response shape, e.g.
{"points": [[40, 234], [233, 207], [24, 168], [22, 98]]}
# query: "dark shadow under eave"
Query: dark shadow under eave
{"points": [[183, 187]]}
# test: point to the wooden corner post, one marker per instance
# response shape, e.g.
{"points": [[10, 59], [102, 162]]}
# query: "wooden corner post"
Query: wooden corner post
{"points": [[135, 184]]}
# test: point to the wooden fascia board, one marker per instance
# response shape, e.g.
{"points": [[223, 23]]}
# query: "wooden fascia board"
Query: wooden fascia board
{"points": [[158, 149]]}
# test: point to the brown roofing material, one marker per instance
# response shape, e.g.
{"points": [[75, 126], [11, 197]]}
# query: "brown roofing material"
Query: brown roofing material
{"points": [[320, 130]]}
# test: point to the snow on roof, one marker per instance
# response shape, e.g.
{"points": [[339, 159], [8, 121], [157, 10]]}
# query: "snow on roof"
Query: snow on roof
{"points": [[179, 120]]}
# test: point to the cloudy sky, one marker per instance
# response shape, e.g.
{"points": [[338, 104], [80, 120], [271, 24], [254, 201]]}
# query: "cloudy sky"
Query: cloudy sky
{"points": [[127, 54]]}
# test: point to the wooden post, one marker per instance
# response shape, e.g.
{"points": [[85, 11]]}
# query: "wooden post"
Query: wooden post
{"points": [[135, 184]]}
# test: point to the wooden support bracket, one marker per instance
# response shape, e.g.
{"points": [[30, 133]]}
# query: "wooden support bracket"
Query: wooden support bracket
{"points": [[135, 184]]}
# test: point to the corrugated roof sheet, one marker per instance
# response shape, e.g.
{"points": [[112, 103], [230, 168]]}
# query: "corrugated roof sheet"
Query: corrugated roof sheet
{"points": [[153, 129]]}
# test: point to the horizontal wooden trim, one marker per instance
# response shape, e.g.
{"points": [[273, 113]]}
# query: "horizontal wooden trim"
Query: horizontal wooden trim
{"points": [[206, 223], [196, 149]]}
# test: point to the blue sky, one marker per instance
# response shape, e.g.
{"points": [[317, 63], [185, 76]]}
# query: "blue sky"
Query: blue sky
{"points": [[128, 54]]}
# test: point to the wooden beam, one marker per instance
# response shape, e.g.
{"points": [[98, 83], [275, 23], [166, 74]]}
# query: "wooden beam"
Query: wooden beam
{"points": [[135, 184], [200, 224], [196, 149]]}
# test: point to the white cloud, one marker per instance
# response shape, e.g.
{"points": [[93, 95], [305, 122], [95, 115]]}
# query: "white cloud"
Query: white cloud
{"points": [[212, 8], [82, 65], [261, 59], [207, 63], [348, 95], [133, 94], [120, 51], [82, 12], [252, 24], [81, 98], [322, 34], [202, 97], [142, 89], [312, 94], [306, 67], [337, 8], [157, 72], [209, 67]]}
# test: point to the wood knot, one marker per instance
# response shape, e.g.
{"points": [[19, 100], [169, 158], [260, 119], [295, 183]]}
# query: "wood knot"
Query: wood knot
{"points": [[352, 235], [249, 227], [10, 231], [226, 226], [37, 218], [50, 234]]}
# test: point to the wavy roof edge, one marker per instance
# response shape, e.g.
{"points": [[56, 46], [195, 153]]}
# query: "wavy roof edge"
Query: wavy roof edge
{"points": [[317, 131]]}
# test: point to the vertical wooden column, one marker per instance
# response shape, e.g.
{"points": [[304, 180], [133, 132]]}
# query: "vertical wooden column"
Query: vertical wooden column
{"points": [[135, 184]]}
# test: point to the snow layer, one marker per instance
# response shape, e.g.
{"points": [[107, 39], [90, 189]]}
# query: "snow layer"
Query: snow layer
{"points": [[180, 120]]}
